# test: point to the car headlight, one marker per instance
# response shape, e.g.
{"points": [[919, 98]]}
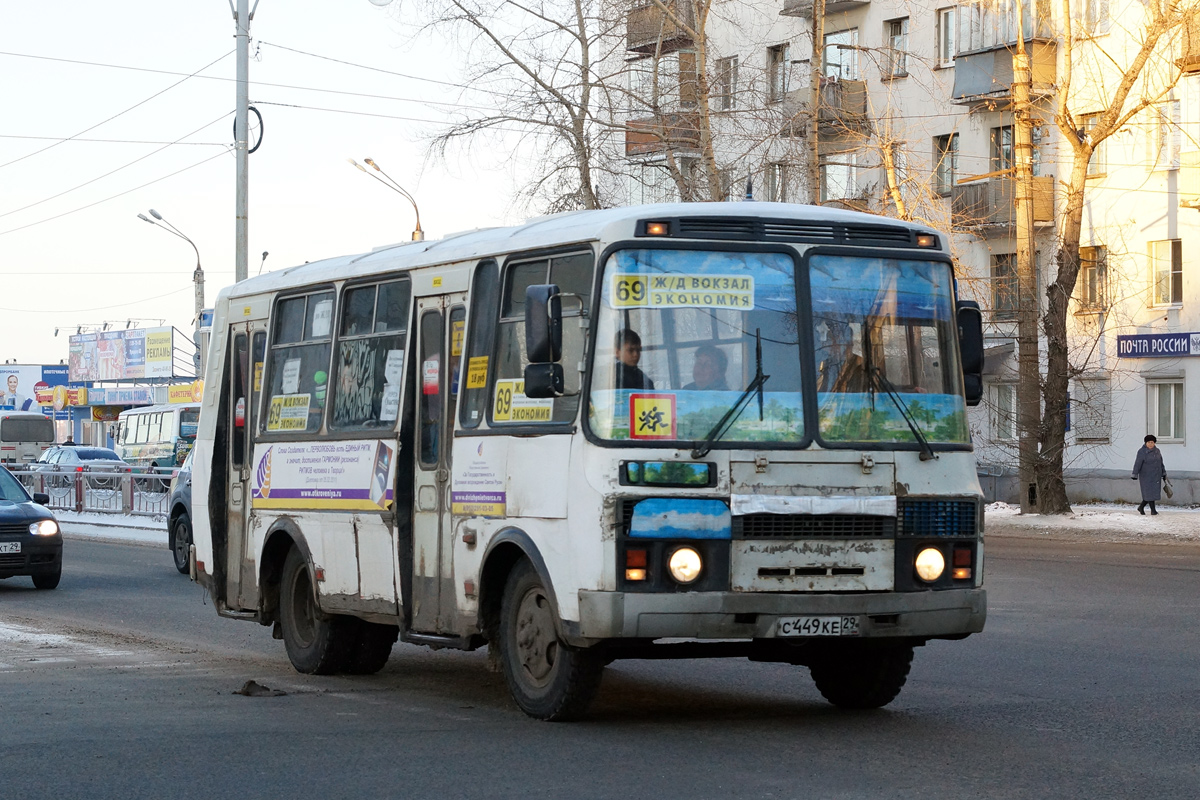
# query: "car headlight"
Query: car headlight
{"points": [[685, 565], [930, 564], [46, 527]]}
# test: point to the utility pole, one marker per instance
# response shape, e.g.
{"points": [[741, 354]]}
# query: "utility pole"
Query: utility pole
{"points": [[242, 16], [1028, 370], [818, 69]]}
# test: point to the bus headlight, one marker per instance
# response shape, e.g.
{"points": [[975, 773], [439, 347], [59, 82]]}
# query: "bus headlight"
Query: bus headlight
{"points": [[930, 564], [46, 527], [685, 565]]}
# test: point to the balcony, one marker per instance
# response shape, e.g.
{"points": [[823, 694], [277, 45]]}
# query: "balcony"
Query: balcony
{"points": [[842, 109], [987, 75], [804, 8], [1189, 57], [648, 29], [666, 132], [992, 203]]}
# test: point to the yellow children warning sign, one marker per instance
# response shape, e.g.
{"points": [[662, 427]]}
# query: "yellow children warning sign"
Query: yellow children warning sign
{"points": [[651, 416], [683, 291]]}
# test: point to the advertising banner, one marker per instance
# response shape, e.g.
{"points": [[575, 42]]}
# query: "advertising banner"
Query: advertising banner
{"points": [[120, 355], [30, 387], [1158, 345], [186, 392], [479, 486], [324, 475], [131, 396]]}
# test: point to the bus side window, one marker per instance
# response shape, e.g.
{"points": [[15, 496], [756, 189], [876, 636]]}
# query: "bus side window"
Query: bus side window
{"points": [[241, 359], [484, 309], [298, 363], [429, 377], [370, 356]]}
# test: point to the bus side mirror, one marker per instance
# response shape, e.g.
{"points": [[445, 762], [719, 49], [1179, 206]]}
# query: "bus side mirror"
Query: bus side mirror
{"points": [[544, 380], [543, 325], [970, 344]]}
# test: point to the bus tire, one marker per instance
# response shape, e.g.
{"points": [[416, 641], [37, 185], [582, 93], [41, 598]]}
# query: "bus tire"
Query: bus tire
{"points": [[370, 647], [862, 678], [317, 643], [181, 541], [547, 678]]}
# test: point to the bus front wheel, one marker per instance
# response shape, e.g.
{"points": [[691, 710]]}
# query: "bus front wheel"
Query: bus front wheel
{"points": [[317, 643], [861, 677], [548, 679]]}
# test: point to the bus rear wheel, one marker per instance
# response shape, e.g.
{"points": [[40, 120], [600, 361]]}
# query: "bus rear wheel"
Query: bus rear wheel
{"points": [[370, 647], [547, 678], [862, 677], [317, 643]]}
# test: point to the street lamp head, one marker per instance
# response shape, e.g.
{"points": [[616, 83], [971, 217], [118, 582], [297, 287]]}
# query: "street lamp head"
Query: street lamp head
{"points": [[155, 214], [372, 163], [357, 165], [146, 219]]}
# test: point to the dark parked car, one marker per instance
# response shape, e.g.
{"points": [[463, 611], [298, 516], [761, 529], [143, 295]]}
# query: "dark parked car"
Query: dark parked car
{"points": [[179, 522], [74, 458], [30, 540]]}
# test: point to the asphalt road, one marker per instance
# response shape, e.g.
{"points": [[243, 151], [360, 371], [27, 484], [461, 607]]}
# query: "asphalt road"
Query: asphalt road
{"points": [[1084, 685]]}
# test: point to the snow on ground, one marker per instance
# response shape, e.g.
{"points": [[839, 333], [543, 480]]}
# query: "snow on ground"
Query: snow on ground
{"points": [[126, 528], [1101, 522]]}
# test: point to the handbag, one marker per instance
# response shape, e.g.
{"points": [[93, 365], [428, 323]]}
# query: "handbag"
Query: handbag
{"points": [[1167, 488]]}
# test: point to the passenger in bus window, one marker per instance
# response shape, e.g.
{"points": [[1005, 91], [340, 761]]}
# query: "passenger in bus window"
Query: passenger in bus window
{"points": [[629, 353], [708, 370]]}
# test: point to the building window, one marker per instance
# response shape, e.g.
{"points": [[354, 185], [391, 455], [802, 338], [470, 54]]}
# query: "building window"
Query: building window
{"points": [[1004, 412], [1002, 148], [839, 61], [777, 183], [1091, 410], [1164, 410], [1004, 286], [1093, 16], [946, 22], [1166, 265], [725, 89], [1098, 163], [777, 71], [896, 33], [839, 177], [1093, 266], [1164, 139], [945, 159]]}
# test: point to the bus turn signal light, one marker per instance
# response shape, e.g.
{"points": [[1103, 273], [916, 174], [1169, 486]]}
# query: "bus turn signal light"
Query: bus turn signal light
{"points": [[962, 573], [657, 229], [635, 574], [635, 558]]}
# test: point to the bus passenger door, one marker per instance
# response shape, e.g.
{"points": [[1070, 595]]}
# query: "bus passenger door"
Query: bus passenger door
{"points": [[245, 384], [440, 326]]}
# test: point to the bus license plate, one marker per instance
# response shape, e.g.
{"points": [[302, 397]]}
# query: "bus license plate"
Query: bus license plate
{"points": [[10, 547], [818, 626]]}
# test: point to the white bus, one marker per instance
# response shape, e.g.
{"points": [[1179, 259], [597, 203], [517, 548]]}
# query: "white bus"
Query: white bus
{"points": [[664, 431], [24, 436], [157, 437]]}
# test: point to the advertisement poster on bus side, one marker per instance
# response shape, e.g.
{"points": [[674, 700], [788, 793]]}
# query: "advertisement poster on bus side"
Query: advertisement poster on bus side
{"points": [[479, 484], [324, 475]]}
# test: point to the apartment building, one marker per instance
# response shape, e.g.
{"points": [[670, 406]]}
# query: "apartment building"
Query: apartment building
{"points": [[913, 117]]}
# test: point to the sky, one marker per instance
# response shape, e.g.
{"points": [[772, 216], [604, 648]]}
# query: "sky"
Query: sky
{"points": [[72, 249]]}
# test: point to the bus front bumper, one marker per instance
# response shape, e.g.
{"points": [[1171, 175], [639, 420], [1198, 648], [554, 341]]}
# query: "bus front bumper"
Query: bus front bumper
{"points": [[947, 613]]}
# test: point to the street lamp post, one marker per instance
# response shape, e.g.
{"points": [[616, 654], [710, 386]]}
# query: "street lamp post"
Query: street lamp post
{"points": [[197, 276], [418, 234]]}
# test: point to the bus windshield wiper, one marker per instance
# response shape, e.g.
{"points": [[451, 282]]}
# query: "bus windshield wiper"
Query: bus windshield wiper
{"points": [[876, 374], [725, 422]]}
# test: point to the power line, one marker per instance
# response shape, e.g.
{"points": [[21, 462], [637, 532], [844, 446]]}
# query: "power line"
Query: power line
{"points": [[343, 111], [364, 66], [97, 308], [108, 141], [118, 169], [110, 119], [115, 196]]}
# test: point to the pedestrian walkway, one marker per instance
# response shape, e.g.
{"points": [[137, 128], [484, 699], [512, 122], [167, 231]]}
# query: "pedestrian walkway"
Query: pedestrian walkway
{"points": [[125, 528], [1098, 522]]}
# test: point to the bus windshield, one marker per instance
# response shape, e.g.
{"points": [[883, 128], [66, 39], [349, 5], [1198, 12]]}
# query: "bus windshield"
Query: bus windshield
{"points": [[884, 332], [26, 429], [676, 346], [189, 420]]}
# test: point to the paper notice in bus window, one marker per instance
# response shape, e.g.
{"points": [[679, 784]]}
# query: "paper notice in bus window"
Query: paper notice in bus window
{"points": [[511, 405], [389, 405], [322, 319], [258, 365], [290, 379], [477, 372], [683, 291], [456, 336], [429, 376], [288, 412], [393, 368], [651, 416]]}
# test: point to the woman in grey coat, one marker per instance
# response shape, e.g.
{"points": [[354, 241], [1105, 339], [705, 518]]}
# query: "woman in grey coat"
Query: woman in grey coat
{"points": [[1149, 471]]}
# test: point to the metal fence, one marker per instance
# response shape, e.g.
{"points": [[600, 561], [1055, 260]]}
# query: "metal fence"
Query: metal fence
{"points": [[143, 493]]}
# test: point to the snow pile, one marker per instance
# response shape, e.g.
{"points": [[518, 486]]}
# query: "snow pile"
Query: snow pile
{"points": [[1103, 522], [114, 527]]}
